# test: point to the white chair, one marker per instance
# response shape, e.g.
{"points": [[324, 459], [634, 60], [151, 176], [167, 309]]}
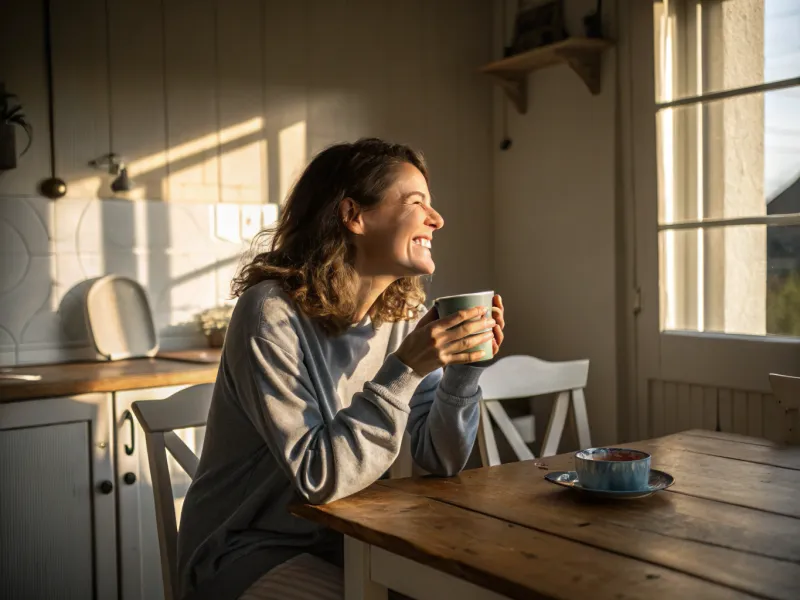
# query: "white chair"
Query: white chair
{"points": [[787, 392], [159, 420], [523, 377]]}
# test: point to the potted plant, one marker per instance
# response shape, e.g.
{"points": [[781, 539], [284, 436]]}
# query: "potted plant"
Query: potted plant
{"points": [[11, 115], [214, 324]]}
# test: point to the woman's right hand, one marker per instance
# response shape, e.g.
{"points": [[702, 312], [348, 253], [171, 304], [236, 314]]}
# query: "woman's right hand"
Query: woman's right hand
{"points": [[436, 343]]}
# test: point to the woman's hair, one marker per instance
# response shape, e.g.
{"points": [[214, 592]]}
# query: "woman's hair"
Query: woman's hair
{"points": [[309, 254]]}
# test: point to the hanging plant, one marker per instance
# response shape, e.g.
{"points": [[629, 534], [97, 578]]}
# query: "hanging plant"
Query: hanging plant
{"points": [[11, 115]]}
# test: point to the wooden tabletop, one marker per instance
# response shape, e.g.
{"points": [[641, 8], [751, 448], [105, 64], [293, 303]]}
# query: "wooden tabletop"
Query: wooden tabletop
{"points": [[68, 379], [728, 528]]}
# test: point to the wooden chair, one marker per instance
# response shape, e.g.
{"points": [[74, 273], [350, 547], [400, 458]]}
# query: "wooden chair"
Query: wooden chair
{"points": [[787, 392], [522, 377], [159, 420]]}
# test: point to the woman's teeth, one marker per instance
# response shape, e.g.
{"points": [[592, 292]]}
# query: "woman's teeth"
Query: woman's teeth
{"points": [[423, 242]]}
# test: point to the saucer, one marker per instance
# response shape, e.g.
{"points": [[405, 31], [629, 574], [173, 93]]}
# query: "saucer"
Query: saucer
{"points": [[659, 480]]}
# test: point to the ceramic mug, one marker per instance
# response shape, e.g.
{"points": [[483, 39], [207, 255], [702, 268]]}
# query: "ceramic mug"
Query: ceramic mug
{"points": [[447, 305], [613, 469]]}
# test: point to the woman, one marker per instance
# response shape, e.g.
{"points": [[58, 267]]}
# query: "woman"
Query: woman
{"points": [[326, 364]]}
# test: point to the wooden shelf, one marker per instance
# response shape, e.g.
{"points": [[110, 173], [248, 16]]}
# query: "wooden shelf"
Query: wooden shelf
{"points": [[583, 55]]}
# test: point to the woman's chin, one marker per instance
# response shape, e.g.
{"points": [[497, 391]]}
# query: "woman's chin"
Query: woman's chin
{"points": [[424, 268], [414, 268]]}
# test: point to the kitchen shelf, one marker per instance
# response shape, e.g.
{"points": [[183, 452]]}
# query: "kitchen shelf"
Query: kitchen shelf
{"points": [[583, 55]]}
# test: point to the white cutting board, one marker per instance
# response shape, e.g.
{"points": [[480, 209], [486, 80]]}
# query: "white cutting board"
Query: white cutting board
{"points": [[120, 320]]}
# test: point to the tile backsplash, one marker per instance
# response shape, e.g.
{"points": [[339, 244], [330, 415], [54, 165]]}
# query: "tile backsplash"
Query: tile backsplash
{"points": [[184, 254]]}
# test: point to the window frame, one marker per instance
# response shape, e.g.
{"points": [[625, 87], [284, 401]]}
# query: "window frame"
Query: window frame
{"points": [[682, 271]]}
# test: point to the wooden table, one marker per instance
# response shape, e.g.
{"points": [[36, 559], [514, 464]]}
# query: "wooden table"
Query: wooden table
{"points": [[728, 528]]}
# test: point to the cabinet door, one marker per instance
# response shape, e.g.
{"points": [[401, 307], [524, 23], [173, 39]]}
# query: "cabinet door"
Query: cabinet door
{"points": [[58, 534], [140, 558]]}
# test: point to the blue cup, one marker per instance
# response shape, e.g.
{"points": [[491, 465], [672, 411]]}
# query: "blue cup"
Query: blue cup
{"points": [[613, 469]]}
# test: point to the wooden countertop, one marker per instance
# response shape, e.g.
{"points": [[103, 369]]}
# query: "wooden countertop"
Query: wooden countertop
{"points": [[186, 367]]}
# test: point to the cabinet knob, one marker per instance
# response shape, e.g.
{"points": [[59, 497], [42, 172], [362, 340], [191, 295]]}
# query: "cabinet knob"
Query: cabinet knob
{"points": [[129, 478], [106, 487]]}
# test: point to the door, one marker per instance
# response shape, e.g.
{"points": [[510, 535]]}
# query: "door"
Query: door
{"points": [[711, 147], [58, 534], [140, 559]]}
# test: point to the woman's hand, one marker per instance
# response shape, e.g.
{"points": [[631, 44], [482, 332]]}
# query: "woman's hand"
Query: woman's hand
{"points": [[440, 342], [498, 311]]}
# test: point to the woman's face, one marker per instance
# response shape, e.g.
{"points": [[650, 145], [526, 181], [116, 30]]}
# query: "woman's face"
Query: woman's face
{"points": [[397, 234]]}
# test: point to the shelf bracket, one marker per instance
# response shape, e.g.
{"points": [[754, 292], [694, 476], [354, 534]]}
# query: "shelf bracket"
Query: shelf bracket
{"points": [[516, 90], [586, 66]]}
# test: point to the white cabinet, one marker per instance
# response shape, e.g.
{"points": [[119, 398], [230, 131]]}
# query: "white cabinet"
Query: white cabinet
{"points": [[57, 501], [140, 563], [76, 499]]}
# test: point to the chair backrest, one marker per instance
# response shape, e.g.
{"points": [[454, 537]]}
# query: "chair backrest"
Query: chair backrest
{"points": [[524, 376], [787, 392], [159, 418]]}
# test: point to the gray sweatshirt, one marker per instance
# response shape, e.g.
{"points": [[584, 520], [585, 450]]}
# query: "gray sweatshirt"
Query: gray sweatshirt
{"points": [[298, 414]]}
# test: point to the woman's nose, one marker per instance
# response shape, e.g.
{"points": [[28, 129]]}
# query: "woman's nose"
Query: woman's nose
{"points": [[434, 219]]}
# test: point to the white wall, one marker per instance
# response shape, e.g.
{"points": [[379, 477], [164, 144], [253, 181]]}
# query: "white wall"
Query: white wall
{"points": [[557, 238], [216, 106]]}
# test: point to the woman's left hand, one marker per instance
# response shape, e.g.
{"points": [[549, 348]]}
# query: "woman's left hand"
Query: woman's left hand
{"points": [[498, 313]]}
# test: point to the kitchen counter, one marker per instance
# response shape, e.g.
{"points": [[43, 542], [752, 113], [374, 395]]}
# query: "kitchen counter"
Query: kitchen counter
{"points": [[186, 367]]}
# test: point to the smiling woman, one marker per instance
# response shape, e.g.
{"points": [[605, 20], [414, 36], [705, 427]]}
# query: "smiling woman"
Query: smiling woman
{"points": [[327, 365]]}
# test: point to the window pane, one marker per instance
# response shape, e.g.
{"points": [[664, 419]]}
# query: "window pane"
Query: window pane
{"points": [[704, 47], [738, 157], [740, 279]]}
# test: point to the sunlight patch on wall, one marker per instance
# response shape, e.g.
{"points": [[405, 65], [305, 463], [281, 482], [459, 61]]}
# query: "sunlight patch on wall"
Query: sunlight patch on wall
{"points": [[195, 169], [293, 156], [200, 181], [243, 173], [88, 187]]}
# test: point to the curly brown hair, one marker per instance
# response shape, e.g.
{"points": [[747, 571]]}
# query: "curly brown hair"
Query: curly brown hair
{"points": [[309, 252]]}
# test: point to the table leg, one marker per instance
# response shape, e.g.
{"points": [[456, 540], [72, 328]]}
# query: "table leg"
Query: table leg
{"points": [[358, 584], [421, 582]]}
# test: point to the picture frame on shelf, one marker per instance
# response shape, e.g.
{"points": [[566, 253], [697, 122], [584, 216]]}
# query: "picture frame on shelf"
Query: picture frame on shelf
{"points": [[537, 26]]}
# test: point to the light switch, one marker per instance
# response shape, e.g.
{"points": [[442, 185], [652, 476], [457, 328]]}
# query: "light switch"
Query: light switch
{"points": [[251, 221]]}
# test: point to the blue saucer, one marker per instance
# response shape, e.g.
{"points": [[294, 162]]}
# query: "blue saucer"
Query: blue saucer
{"points": [[658, 481]]}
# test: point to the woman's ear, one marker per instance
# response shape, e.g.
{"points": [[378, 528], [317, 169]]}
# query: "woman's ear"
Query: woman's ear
{"points": [[352, 216]]}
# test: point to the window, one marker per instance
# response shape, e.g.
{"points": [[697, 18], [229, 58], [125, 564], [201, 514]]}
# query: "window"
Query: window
{"points": [[728, 125]]}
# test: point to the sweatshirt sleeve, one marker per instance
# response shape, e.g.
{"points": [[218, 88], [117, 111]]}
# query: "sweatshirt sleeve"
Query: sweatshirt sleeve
{"points": [[444, 419], [330, 459]]}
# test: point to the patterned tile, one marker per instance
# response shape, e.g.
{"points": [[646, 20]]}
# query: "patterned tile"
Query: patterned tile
{"points": [[69, 213], [28, 293], [26, 223], [8, 348]]}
